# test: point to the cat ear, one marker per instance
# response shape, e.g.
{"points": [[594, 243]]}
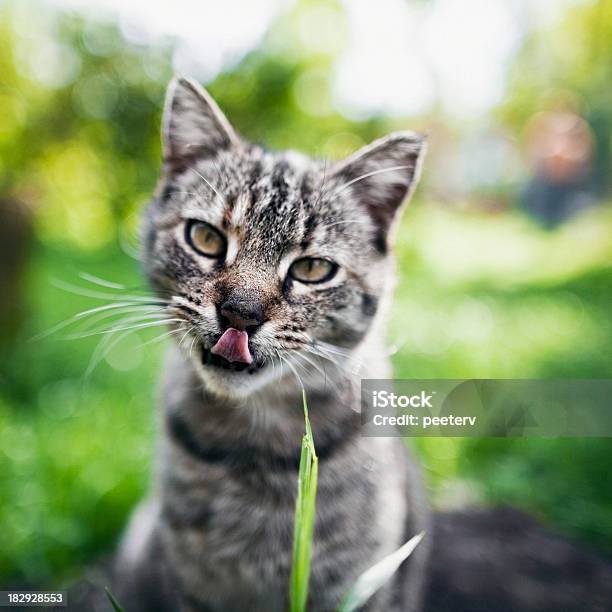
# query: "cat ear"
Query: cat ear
{"points": [[382, 175], [193, 125]]}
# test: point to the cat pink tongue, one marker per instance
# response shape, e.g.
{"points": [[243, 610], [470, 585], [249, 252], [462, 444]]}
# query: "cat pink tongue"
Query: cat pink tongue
{"points": [[233, 345]]}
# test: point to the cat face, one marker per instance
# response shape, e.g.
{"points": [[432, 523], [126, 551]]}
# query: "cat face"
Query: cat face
{"points": [[273, 260]]}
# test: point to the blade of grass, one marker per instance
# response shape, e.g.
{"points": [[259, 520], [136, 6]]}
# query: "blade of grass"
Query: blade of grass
{"points": [[113, 601], [375, 577], [305, 510]]}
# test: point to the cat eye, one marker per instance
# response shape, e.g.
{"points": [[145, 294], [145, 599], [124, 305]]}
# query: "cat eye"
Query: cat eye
{"points": [[205, 239], [312, 270]]}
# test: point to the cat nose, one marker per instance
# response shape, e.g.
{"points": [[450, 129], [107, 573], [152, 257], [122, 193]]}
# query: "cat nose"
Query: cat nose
{"points": [[242, 314]]}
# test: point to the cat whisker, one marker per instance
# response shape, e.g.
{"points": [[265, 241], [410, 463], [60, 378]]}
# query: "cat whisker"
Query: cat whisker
{"points": [[216, 165], [189, 333], [280, 365], [193, 341], [129, 249], [76, 290], [106, 307], [314, 350], [89, 316], [311, 362], [104, 347], [332, 348], [273, 363], [140, 311], [100, 281], [160, 337], [335, 383], [180, 342], [119, 287], [343, 366], [292, 357], [325, 347], [208, 183], [322, 355], [367, 175], [297, 376], [109, 341], [310, 374], [114, 329]]}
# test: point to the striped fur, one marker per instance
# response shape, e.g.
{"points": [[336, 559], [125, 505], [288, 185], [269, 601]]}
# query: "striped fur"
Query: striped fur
{"points": [[216, 533]]}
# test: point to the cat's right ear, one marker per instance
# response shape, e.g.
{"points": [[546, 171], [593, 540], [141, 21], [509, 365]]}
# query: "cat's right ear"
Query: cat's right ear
{"points": [[193, 126]]}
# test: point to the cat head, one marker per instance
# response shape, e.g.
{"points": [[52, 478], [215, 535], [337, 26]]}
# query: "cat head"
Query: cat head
{"points": [[272, 260]]}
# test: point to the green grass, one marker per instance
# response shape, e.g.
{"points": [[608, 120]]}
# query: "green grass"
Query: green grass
{"points": [[114, 602], [305, 512], [378, 575]]}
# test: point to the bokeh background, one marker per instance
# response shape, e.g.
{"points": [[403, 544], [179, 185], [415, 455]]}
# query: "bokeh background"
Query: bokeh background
{"points": [[505, 253]]}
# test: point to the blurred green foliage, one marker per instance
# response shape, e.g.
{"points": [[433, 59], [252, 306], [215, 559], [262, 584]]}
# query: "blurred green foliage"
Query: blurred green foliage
{"points": [[569, 66], [478, 296]]}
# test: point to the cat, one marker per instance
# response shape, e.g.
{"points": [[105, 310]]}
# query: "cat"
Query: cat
{"points": [[278, 270]]}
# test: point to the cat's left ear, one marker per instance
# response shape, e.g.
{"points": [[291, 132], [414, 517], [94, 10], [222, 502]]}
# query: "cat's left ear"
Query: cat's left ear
{"points": [[382, 175], [193, 126]]}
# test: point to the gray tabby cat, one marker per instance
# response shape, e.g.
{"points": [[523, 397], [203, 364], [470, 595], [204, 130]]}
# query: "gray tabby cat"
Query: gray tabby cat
{"points": [[281, 269]]}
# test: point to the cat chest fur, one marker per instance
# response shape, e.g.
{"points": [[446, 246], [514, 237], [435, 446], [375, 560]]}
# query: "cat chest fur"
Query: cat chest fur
{"points": [[227, 529]]}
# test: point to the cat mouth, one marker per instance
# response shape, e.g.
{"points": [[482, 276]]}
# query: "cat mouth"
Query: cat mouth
{"points": [[209, 359]]}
